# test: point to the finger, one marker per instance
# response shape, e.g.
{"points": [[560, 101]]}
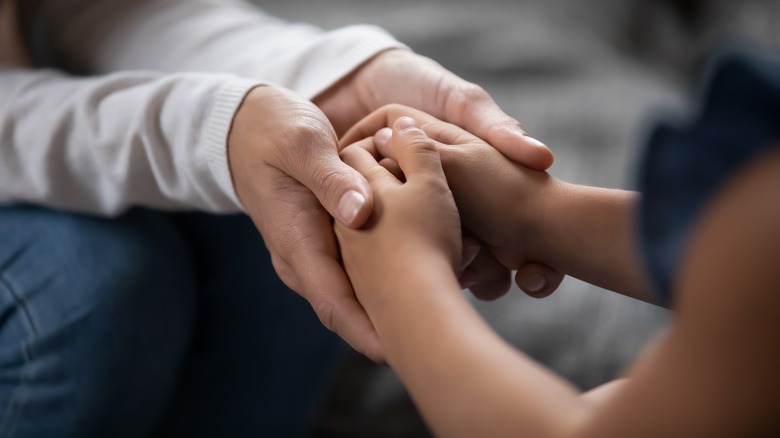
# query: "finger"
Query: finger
{"points": [[333, 302], [415, 152], [306, 258], [492, 279], [337, 308], [393, 167], [538, 280], [311, 157], [342, 190], [361, 160], [384, 117], [471, 107], [381, 142], [467, 279], [299, 235], [471, 248], [382, 138], [381, 149], [526, 151]]}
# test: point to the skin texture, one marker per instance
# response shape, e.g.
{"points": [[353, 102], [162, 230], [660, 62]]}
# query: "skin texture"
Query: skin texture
{"points": [[286, 170], [712, 373], [482, 207], [283, 153]]}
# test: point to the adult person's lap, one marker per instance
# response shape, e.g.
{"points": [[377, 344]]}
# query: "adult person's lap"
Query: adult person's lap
{"points": [[115, 326], [261, 357]]}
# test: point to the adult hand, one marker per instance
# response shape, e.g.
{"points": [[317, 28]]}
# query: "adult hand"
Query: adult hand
{"points": [[499, 201], [403, 77], [285, 164], [415, 222]]}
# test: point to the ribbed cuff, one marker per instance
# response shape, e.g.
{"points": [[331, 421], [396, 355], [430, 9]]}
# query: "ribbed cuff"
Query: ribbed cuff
{"points": [[217, 130]]}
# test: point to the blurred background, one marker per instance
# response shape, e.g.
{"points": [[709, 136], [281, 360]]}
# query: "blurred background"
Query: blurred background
{"points": [[587, 78]]}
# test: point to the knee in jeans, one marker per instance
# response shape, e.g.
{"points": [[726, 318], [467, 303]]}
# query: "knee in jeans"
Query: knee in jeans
{"points": [[103, 309], [131, 270]]}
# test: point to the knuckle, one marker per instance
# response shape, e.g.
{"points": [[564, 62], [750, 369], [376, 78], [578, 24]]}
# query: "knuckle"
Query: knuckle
{"points": [[464, 95], [306, 133], [504, 122], [422, 147], [473, 92], [393, 108], [285, 271], [420, 142], [326, 312], [327, 179]]}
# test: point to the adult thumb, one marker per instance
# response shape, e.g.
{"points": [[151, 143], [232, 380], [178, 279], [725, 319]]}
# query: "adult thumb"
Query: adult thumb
{"points": [[305, 147], [341, 190]]}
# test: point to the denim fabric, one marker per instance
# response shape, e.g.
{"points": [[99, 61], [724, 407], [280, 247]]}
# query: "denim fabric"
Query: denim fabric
{"points": [[151, 325], [685, 164]]}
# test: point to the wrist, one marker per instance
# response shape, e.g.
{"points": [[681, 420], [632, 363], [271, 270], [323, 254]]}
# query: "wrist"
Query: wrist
{"points": [[412, 286], [550, 221], [403, 278], [535, 214]]}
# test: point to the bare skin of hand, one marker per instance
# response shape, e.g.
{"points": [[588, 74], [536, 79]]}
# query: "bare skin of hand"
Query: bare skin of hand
{"points": [[485, 211], [401, 77], [713, 373], [406, 78], [389, 232], [288, 175]]}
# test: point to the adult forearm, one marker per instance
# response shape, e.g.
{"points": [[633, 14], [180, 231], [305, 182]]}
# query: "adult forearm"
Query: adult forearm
{"points": [[103, 144], [231, 36]]}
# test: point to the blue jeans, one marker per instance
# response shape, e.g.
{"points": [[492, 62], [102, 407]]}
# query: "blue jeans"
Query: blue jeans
{"points": [[151, 324]]}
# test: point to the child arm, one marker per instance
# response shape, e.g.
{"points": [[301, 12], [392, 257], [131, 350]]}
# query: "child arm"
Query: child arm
{"points": [[526, 216], [463, 377], [715, 374]]}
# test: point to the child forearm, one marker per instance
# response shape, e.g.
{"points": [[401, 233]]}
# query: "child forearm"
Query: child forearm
{"points": [[590, 233], [464, 378]]}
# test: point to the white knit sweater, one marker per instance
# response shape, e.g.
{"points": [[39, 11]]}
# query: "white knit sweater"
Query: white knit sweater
{"points": [[145, 121]]}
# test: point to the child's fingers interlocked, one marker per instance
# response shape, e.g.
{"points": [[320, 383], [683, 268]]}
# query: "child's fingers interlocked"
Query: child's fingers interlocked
{"points": [[360, 159], [416, 152]]}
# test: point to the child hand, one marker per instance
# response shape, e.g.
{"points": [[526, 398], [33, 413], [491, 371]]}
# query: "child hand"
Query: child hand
{"points": [[499, 201], [414, 222]]}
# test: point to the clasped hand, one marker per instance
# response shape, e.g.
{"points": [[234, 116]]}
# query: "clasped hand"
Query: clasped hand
{"points": [[284, 159], [494, 199]]}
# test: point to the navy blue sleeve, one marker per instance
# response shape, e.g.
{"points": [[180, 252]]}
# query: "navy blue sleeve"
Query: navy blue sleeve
{"points": [[683, 165]]}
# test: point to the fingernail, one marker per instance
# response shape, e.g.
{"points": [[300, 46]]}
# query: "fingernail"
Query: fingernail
{"points": [[467, 279], [405, 123], [350, 204], [534, 284], [469, 254], [383, 136], [466, 284]]}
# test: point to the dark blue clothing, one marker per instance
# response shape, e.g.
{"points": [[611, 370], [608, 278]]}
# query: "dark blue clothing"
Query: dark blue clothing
{"points": [[684, 165], [152, 324]]}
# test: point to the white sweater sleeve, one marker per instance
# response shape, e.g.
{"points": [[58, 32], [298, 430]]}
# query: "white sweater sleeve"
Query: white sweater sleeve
{"points": [[103, 144], [231, 36]]}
